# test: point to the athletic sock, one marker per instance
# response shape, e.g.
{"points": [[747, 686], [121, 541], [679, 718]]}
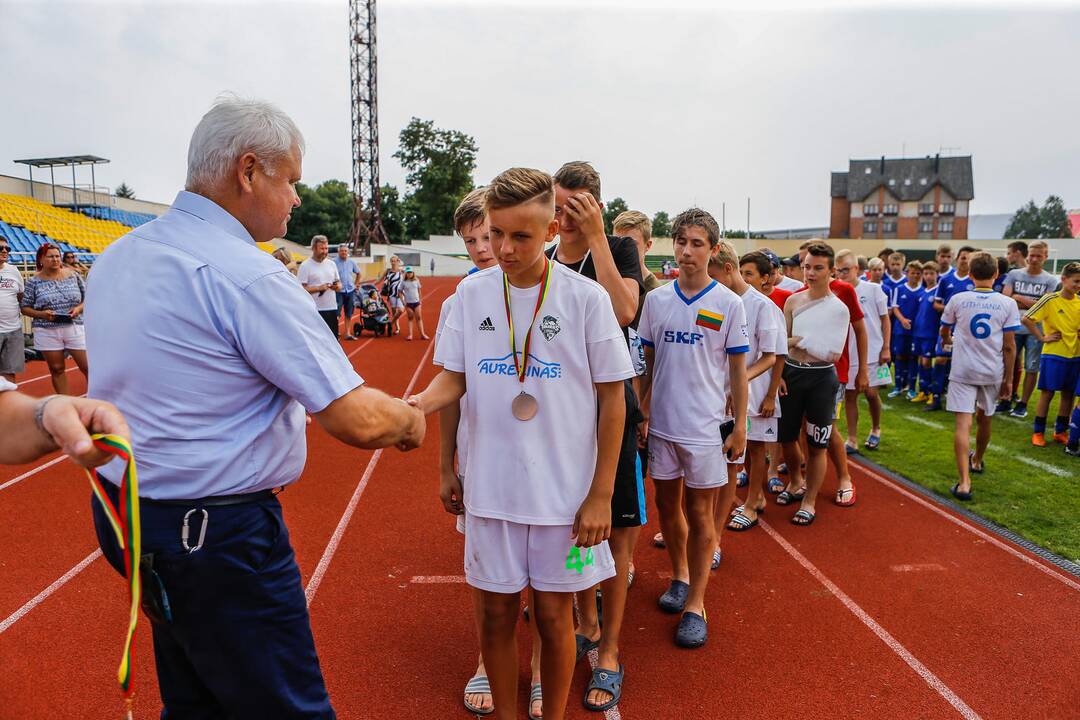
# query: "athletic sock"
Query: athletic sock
{"points": [[900, 378], [1061, 423], [1074, 427], [1040, 425], [925, 372], [938, 383], [912, 372]]}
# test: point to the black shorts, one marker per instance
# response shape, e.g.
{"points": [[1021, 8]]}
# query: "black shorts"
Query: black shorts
{"points": [[628, 500], [330, 317], [811, 394]]}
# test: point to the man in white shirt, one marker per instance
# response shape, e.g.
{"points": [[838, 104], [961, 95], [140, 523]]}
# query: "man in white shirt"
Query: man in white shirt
{"points": [[875, 306], [319, 276], [12, 357]]}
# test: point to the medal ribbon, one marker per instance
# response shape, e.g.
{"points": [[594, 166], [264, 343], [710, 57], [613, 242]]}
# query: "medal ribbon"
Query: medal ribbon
{"points": [[126, 525], [545, 284]]}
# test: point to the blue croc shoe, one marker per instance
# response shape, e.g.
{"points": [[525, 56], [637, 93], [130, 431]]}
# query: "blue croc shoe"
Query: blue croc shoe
{"points": [[674, 600], [693, 630]]}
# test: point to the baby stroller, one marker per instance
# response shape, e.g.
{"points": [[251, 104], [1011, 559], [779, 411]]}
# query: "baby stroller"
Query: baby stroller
{"points": [[374, 315]]}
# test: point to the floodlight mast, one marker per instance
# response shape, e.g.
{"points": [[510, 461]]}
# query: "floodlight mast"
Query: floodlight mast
{"points": [[367, 225]]}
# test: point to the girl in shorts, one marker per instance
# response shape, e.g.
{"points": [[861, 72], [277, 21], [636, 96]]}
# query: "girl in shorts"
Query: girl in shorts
{"points": [[410, 290]]}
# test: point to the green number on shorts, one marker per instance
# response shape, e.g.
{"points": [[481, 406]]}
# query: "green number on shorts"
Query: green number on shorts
{"points": [[574, 561], [883, 373]]}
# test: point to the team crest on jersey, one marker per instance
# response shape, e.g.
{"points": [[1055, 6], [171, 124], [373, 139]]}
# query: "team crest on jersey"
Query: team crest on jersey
{"points": [[550, 327]]}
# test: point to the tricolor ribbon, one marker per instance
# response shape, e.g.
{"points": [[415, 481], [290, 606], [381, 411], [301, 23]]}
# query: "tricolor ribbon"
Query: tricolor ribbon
{"points": [[125, 524], [545, 285]]}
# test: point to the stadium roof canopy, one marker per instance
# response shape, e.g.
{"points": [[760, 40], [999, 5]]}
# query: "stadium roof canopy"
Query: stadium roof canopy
{"points": [[63, 161]]}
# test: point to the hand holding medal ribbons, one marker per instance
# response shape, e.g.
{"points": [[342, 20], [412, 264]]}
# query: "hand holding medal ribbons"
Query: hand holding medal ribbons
{"points": [[524, 406], [124, 520]]}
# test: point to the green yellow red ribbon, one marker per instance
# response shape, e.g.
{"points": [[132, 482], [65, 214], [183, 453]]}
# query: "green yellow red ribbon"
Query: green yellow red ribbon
{"points": [[125, 524], [545, 285]]}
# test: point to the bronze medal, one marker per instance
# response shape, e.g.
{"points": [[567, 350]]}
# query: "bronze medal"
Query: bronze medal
{"points": [[524, 406]]}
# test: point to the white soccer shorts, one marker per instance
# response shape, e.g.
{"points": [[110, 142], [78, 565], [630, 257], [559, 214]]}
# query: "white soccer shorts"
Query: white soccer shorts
{"points": [[702, 467]]}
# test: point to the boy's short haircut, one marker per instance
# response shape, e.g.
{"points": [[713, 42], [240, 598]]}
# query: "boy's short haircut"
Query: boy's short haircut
{"points": [[915, 265], [1018, 246], [981, 265], [759, 260], [945, 247], [1070, 269], [806, 244], [897, 256], [725, 253], [1040, 245], [633, 220], [518, 186], [1003, 266], [862, 263], [696, 217], [886, 253], [842, 255], [579, 175], [930, 265], [319, 239], [967, 249], [470, 210], [875, 263], [820, 249]]}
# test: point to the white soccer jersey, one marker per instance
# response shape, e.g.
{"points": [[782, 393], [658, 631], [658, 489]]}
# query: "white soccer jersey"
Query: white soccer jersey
{"points": [[691, 338], [789, 284], [767, 332], [463, 421], [978, 319], [874, 303], [534, 472]]}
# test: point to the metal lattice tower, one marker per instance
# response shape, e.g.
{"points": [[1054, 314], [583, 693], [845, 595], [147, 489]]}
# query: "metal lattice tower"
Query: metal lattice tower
{"points": [[367, 217]]}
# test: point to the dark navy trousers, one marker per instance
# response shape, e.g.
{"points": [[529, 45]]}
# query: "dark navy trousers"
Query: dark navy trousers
{"points": [[238, 643]]}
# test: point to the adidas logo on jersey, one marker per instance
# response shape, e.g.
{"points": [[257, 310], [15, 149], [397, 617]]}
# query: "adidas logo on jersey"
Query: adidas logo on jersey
{"points": [[487, 325]]}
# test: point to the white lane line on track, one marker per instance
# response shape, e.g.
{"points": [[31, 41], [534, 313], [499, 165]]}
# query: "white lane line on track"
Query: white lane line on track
{"points": [[41, 596], [921, 670], [43, 377], [35, 471], [968, 526], [346, 517]]}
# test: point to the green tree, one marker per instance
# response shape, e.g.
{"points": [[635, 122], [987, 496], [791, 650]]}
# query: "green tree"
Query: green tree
{"points": [[440, 165], [124, 191], [324, 210], [1031, 221], [661, 224], [394, 214], [611, 211]]}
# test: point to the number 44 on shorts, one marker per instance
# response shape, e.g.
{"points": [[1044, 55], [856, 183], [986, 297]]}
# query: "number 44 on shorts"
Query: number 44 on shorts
{"points": [[575, 560]]}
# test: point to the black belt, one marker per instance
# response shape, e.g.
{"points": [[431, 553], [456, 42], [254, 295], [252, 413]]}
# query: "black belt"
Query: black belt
{"points": [[217, 500]]}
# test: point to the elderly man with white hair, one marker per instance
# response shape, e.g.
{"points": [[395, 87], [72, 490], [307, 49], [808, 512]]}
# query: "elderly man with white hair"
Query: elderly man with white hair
{"points": [[215, 397]]}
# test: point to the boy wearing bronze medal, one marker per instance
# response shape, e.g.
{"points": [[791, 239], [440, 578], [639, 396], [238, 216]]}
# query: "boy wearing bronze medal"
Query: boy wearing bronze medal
{"points": [[543, 358]]}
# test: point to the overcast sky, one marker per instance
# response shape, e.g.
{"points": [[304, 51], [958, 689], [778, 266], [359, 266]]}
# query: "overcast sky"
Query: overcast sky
{"points": [[694, 103]]}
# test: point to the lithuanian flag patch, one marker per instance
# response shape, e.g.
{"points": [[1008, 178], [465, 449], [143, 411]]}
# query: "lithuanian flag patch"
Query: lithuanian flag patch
{"points": [[710, 320]]}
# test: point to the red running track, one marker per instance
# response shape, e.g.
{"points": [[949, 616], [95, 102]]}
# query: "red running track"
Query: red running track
{"points": [[894, 608]]}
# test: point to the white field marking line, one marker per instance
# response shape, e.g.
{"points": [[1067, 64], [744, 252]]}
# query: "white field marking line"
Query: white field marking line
{"points": [[969, 527], [437, 579], [42, 377], [924, 422], [41, 596], [346, 517], [35, 471], [921, 670]]}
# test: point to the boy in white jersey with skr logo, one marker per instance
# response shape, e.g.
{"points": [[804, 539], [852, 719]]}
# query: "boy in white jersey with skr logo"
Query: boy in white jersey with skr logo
{"points": [[979, 324], [694, 333], [545, 408]]}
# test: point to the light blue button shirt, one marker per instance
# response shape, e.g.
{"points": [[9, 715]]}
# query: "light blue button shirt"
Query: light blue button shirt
{"points": [[206, 343], [347, 270]]}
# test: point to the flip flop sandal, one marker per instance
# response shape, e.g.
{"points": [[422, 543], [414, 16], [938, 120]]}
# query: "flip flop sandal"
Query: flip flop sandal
{"points": [[742, 479], [536, 694], [971, 464], [674, 599], [782, 469], [850, 492], [775, 486], [849, 450], [693, 630], [609, 681], [803, 518], [478, 685], [630, 578], [717, 556], [658, 540], [964, 496], [584, 645], [872, 441], [786, 497], [741, 523]]}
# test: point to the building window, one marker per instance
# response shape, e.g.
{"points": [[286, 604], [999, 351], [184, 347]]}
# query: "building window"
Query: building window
{"points": [[870, 227], [907, 181], [869, 209], [926, 208], [925, 227], [945, 226], [890, 209], [922, 181], [889, 227], [948, 208]]}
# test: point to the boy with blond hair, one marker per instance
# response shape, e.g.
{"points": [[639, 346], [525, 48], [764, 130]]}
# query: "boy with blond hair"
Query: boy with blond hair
{"points": [[1054, 321], [694, 333], [546, 371], [1026, 286]]}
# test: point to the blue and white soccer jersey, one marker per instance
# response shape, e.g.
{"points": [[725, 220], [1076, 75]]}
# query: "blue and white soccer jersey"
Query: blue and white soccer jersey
{"points": [[950, 284], [906, 299], [927, 325], [691, 338], [979, 320]]}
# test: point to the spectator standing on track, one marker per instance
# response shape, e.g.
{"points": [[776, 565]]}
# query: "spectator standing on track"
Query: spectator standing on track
{"points": [[54, 298], [12, 350], [875, 308], [1054, 321], [1026, 286], [432, 265], [216, 409], [391, 290], [979, 325], [410, 293], [319, 276], [534, 518], [349, 277]]}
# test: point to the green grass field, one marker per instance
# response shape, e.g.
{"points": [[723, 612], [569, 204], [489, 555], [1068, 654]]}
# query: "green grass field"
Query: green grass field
{"points": [[1031, 491]]}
